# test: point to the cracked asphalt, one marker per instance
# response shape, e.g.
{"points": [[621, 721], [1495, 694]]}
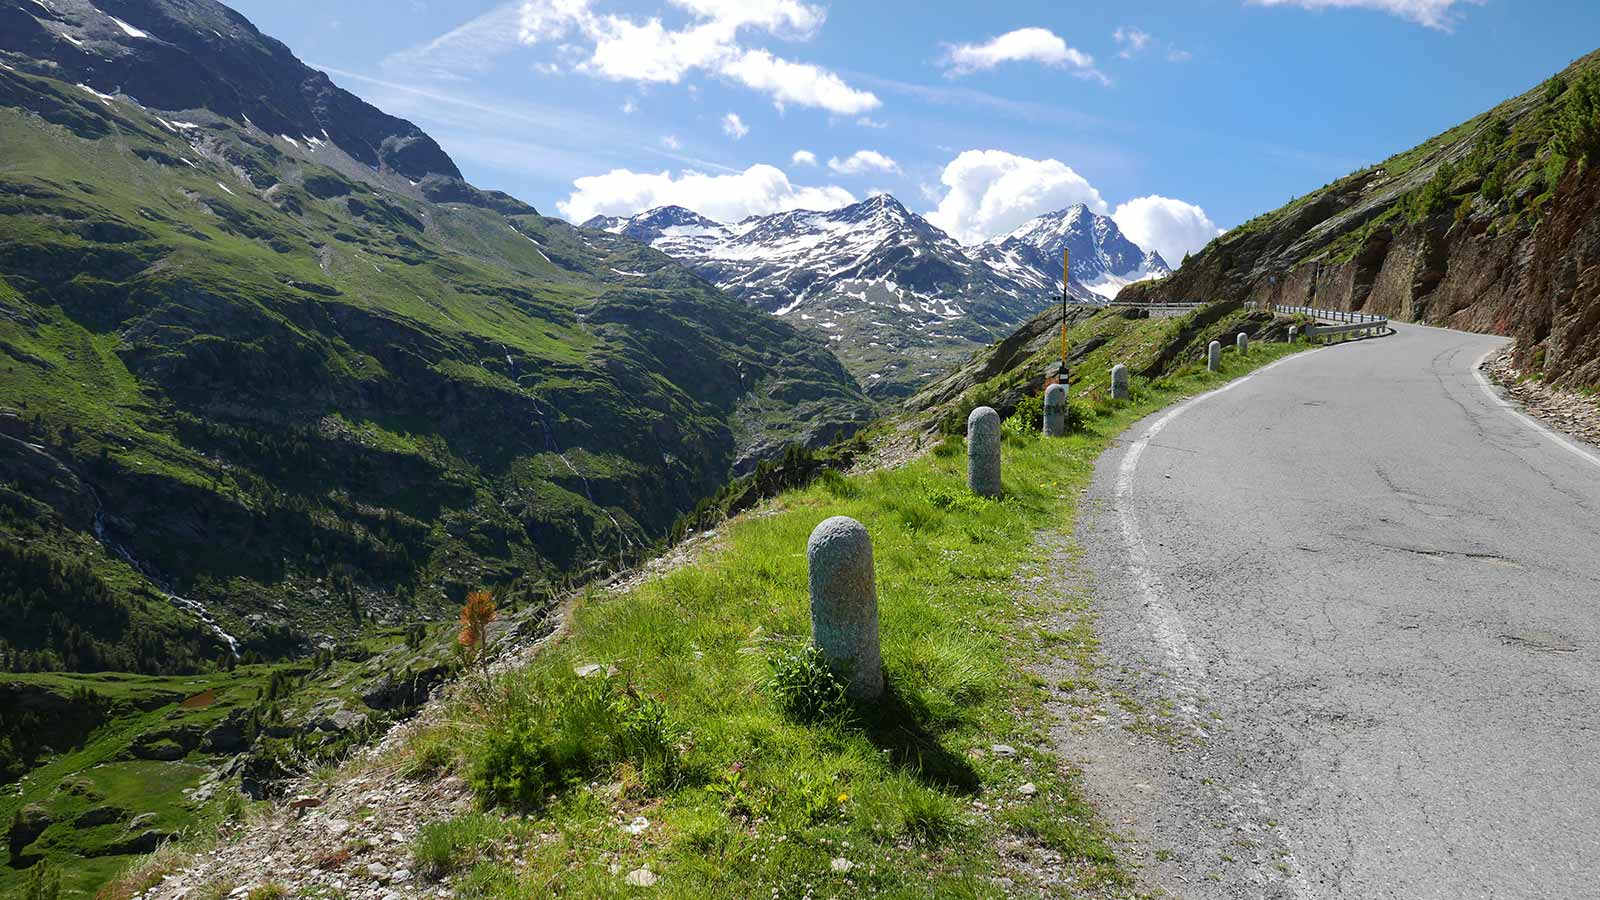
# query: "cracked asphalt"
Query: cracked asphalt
{"points": [[1360, 600]]}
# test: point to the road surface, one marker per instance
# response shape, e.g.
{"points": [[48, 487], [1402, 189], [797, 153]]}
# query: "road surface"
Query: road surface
{"points": [[1361, 596]]}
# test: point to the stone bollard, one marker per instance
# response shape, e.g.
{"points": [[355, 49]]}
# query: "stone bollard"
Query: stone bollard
{"points": [[983, 452], [1242, 342], [1119, 383], [1294, 334], [844, 604], [1214, 356], [1055, 410]]}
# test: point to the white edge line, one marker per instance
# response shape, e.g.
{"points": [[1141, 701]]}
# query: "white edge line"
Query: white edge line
{"points": [[1560, 440], [1165, 622]]}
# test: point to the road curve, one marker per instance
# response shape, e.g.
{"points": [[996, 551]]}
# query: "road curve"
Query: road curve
{"points": [[1366, 591]]}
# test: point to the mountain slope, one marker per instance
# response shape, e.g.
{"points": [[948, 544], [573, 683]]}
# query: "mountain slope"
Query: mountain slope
{"points": [[1490, 227], [898, 299], [261, 385]]}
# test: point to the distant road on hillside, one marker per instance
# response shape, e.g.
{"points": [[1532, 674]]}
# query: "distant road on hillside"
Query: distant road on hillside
{"points": [[1376, 590]]}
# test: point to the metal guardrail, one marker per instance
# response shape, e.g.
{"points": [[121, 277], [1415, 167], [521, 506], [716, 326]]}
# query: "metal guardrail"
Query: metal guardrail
{"points": [[1183, 307], [1346, 321]]}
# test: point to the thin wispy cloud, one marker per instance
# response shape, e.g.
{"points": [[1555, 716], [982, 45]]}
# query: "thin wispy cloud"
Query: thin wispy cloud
{"points": [[1438, 14], [1036, 45], [734, 127], [1131, 42]]}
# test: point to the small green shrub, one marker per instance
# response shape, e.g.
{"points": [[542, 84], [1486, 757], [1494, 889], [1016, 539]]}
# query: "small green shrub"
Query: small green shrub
{"points": [[805, 688], [1078, 415], [269, 891], [43, 882], [838, 485], [1030, 413], [449, 845], [431, 752], [549, 735], [928, 815], [1577, 126], [950, 498]]}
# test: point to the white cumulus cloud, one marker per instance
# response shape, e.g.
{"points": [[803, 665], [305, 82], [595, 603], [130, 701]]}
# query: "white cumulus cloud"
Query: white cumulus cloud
{"points": [[628, 49], [1169, 227], [863, 161], [990, 192], [1039, 45], [734, 127], [803, 158], [1440, 14], [799, 83], [758, 190]]}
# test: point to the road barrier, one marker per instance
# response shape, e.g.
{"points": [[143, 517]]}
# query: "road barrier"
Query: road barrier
{"points": [[1345, 321]]}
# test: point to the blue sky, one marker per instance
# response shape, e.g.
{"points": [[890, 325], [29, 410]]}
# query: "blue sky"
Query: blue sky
{"points": [[1179, 116]]}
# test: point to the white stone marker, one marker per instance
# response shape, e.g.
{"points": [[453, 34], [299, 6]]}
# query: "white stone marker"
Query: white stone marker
{"points": [[1214, 356], [1242, 342], [1119, 382], [983, 452], [844, 604], [1294, 334], [1055, 410]]}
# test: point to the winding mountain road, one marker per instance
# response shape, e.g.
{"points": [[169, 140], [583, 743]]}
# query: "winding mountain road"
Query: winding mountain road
{"points": [[1366, 593]]}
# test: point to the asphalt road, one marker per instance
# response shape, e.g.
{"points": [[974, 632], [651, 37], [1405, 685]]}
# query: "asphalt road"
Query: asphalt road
{"points": [[1367, 595]]}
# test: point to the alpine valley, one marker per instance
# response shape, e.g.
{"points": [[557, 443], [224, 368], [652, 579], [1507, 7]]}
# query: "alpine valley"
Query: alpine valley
{"points": [[278, 387], [898, 299]]}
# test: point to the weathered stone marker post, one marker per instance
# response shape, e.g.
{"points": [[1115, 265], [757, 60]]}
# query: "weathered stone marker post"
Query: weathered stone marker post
{"points": [[1242, 342], [844, 604], [1119, 382], [1214, 356], [1294, 334], [1055, 410], [983, 452]]}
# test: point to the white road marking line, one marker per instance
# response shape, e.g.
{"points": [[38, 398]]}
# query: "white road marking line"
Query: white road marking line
{"points": [[1511, 407], [1165, 623]]}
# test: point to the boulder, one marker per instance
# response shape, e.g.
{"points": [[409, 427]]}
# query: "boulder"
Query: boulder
{"points": [[26, 826], [99, 815]]}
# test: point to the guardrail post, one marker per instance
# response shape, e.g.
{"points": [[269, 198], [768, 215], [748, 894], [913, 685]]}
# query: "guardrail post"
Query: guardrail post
{"points": [[1055, 410], [844, 604], [1293, 335], [983, 452], [1214, 356], [1242, 342], [1119, 382]]}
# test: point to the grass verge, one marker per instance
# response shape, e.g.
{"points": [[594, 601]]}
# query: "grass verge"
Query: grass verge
{"points": [[680, 770]]}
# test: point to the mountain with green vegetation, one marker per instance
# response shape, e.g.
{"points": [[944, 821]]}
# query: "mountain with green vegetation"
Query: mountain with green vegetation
{"points": [[277, 388], [1493, 226], [270, 370]]}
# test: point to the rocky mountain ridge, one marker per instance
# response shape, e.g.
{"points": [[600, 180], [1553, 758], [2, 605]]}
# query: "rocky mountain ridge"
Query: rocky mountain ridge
{"points": [[896, 297], [1491, 226]]}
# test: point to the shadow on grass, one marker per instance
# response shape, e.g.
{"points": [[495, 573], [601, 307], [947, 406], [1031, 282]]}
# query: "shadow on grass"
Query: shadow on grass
{"points": [[897, 725]]}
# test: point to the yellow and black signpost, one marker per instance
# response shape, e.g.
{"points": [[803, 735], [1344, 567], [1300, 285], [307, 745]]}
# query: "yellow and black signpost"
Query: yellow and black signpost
{"points": [[1066, 278]]}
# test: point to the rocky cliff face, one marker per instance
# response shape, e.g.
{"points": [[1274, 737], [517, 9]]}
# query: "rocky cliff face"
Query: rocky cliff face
{"points": [[1489, 227]]}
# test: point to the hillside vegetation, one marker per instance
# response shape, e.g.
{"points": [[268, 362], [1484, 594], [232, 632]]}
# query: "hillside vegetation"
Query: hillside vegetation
{"points": [[1492, 226], [679, 734], [299, 395]]}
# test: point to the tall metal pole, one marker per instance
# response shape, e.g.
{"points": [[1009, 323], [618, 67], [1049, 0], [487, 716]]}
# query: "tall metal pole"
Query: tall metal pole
{"points": [[1066, 278]]}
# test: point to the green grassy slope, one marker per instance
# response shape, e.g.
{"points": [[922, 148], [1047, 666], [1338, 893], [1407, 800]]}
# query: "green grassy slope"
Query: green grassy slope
{"points": [[299, 393], [745, 799]]}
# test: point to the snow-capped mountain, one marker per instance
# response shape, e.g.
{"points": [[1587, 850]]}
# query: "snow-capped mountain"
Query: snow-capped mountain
{"points": [[1103, 259], [898, 299]]}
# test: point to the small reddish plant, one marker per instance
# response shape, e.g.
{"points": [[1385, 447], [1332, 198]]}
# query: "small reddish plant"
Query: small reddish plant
{"points": [[476, 614]]}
